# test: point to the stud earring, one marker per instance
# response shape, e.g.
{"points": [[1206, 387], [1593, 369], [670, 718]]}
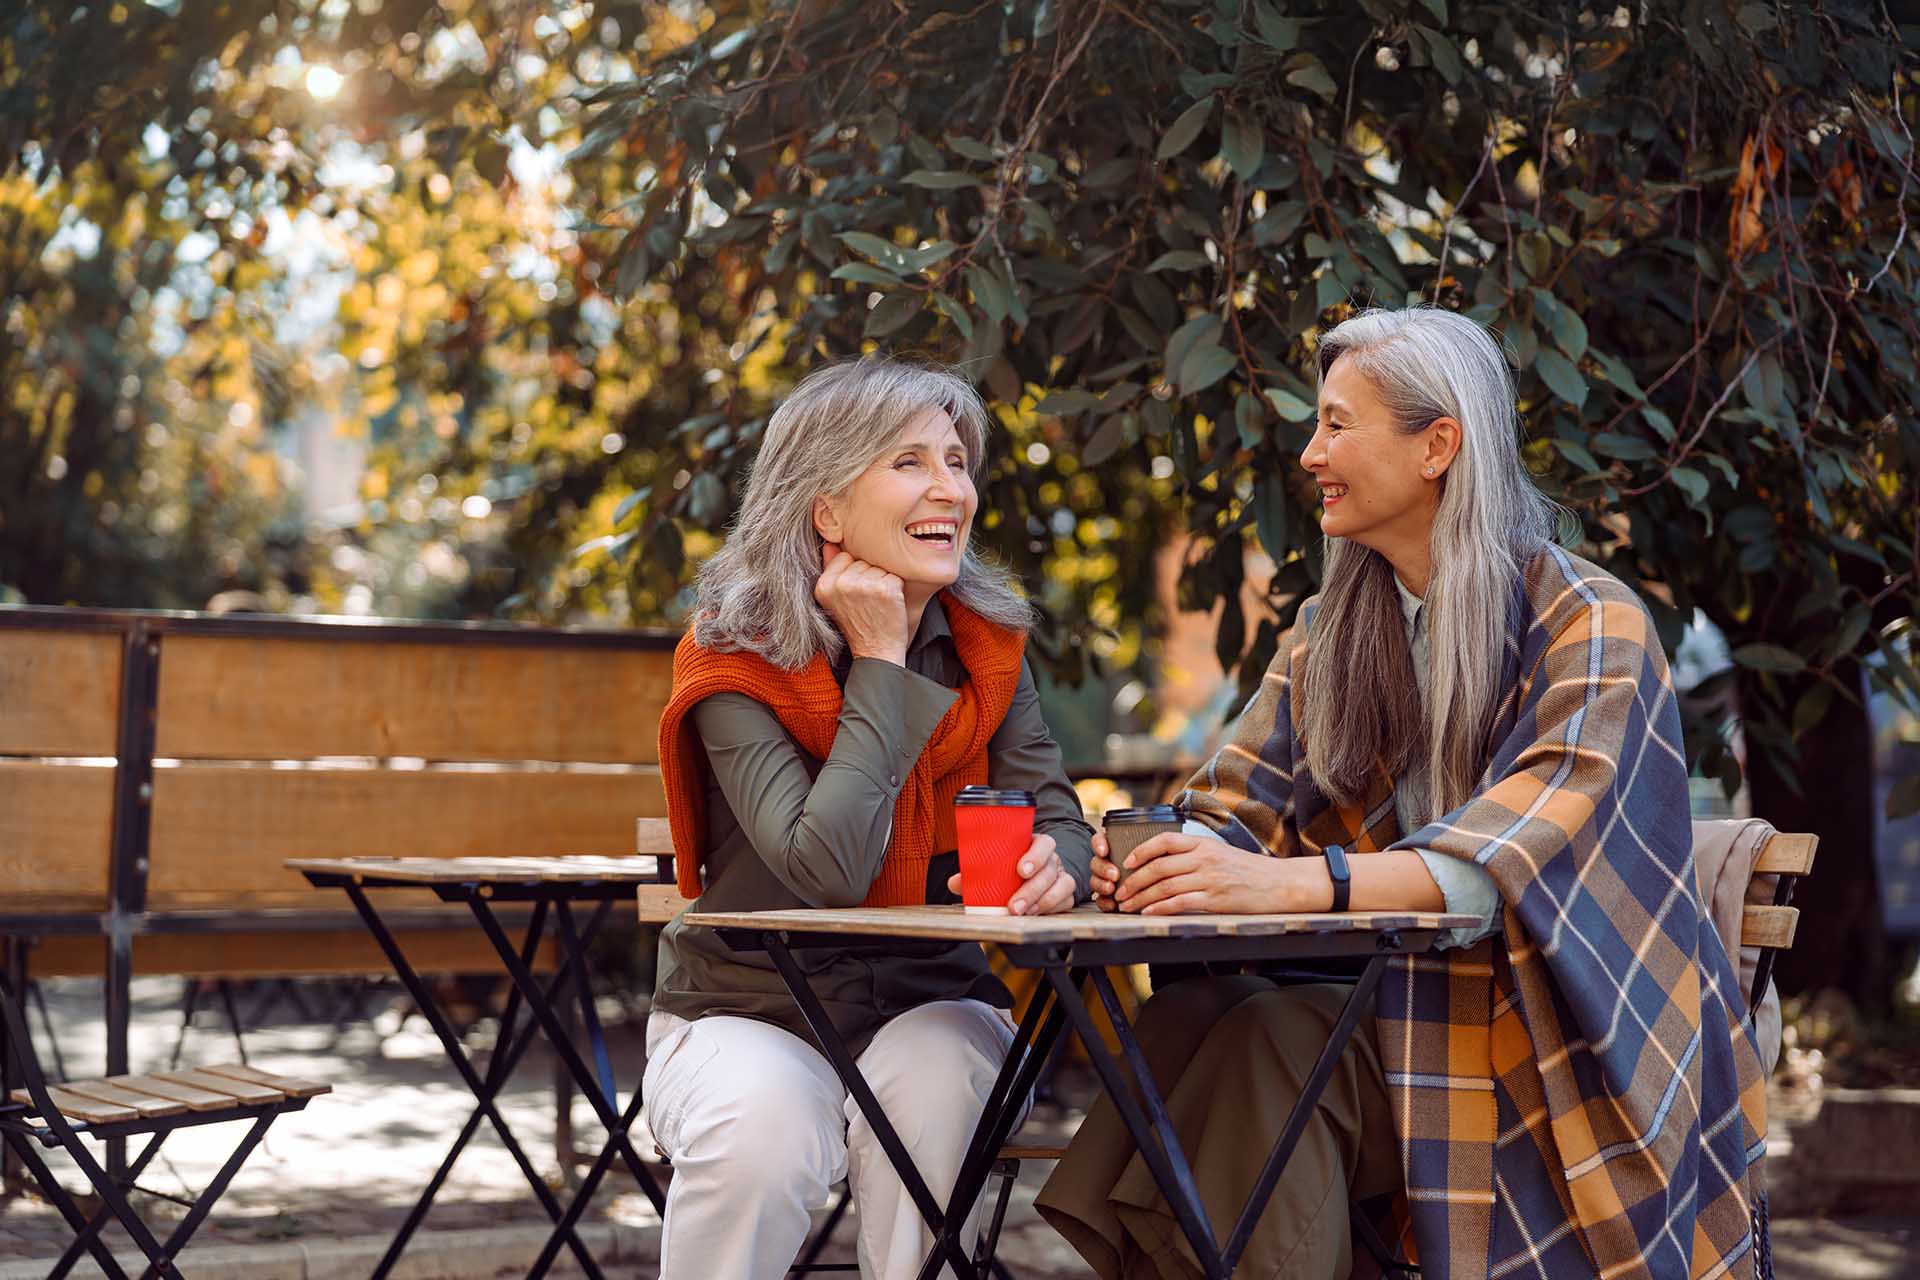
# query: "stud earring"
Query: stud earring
{"points": [[1429, 473]]}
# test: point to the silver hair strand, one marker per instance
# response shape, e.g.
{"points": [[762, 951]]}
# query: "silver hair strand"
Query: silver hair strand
{"points": [[1424, 364]]}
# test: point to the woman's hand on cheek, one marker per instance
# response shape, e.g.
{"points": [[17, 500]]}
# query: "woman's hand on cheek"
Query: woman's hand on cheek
{"points": [[867, 603], [1177, 873]]}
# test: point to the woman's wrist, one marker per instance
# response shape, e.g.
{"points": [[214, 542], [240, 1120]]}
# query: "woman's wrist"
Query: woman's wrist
{"points": [[1312, 887]]}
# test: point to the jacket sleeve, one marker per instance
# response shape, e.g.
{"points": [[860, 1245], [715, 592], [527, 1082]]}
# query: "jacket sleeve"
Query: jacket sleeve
{"points": [[823, 836], [1023, 755]]}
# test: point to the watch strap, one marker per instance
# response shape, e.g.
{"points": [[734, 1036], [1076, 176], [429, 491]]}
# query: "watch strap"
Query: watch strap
{"points": [[1342, 875]]}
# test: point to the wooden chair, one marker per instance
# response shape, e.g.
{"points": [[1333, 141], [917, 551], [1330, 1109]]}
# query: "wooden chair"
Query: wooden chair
{"points": [[155, 1106]]}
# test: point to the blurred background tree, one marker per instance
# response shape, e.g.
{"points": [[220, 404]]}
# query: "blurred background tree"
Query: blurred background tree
{"points": [[548, 266]]}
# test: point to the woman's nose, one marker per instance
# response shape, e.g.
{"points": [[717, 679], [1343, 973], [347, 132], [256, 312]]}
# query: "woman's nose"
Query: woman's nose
{"points": [[1314, 456]]}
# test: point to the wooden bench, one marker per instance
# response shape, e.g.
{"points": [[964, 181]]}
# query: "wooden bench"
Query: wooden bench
{"points": [[157, 769]]}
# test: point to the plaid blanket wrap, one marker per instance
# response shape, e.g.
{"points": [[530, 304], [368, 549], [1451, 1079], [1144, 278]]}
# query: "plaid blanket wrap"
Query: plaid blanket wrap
{"points": [[1580, 1096]]}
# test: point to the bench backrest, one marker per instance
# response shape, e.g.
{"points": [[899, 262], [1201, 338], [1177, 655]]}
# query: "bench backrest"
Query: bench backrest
{"points": [[164, 765]]}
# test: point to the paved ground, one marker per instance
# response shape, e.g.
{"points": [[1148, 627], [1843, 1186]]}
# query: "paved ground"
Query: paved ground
{"points": [[330, 1185]]}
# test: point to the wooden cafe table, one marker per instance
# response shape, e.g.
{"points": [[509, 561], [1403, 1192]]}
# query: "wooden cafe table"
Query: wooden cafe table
{"points": [[553, 887], [1070, 949]]}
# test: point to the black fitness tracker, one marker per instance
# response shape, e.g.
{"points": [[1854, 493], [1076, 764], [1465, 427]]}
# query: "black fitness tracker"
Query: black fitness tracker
{"points": [[1342, 876]]}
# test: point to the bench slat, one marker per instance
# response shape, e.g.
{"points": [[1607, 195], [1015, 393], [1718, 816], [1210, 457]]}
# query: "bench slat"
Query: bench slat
{"points": [[222, 833], [56, 835], [278, 697], [193, 1098], [78, 1106], [239, 1090], [59, 692], [1012, 1152], [653, 837], [292, 1086]]}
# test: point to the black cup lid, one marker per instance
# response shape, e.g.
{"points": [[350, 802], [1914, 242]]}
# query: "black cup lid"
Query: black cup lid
{"points": [[1146, 813], [989, 796]]}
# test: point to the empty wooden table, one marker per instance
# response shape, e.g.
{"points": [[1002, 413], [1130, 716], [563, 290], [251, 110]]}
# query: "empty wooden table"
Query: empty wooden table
{"points": [[553, 887], [1070, 949]]}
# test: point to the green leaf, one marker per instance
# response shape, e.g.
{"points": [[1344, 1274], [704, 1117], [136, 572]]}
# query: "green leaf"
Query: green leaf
{"points": [[1811, 709], [953, 311], [1568, 329], [1314, 78], [1179, 260], [629, 503], [1577, 454], [1663, 425], [940, 179], [1692, 483], [925, 256], [989, 292], [1444, 55], [891, 314], [1067, 402], [1244, 144], [1281, 221], [1615, 371], [1106, 441], [865, 273], [1559, 373], [1288, 405], [1205, 365], [1275, 31], [1201, 328], [1248, 420], [1438, 8], [1111, 174], [1769, 657], [883, 251], [1185, 129], [972, 148], [1614, 445]]}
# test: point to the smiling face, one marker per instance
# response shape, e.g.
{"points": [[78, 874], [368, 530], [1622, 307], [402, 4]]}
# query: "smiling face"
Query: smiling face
{"points": [[911, 511], [1379, 485]]}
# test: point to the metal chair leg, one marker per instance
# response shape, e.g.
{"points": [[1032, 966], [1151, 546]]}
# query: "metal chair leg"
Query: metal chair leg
{"points": [[809, 1259], [1008, 1171]]}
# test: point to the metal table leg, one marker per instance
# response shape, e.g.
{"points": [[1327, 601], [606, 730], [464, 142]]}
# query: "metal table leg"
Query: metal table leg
{"points": [[1020, 1068], [1146, 1117], [456, 1054]]}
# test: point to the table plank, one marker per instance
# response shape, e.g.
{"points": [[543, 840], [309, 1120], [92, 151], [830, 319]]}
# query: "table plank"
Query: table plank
{"points": [[559, 870], [1086, 924]]}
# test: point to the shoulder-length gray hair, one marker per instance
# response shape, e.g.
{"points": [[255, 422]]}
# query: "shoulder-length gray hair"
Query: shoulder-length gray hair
{"points": [[756, 593], [1424, 364]]}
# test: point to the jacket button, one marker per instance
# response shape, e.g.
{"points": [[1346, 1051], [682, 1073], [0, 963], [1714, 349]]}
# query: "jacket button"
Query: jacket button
{"points": [[893, 779]]}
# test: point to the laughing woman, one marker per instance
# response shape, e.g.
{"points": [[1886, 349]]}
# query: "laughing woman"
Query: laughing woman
{"points": [[851, 666], [1485, 723]]}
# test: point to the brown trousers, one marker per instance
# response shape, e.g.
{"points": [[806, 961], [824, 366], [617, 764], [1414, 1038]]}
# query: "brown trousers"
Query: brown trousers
{"points": [[1230, 1055]]}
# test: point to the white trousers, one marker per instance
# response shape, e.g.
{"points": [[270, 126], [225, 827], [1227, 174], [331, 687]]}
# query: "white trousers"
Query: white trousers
{"points": [[759, 1129]]}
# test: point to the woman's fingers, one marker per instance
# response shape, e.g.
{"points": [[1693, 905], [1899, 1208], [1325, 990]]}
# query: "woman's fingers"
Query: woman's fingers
{"points": [[1037, 854]]}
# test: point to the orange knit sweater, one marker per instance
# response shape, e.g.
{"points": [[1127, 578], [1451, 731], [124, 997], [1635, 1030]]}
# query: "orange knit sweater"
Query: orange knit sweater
{"points": [[807, 703]]}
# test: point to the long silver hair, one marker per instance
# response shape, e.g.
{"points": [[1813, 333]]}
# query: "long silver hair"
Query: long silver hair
{"points": [[756, 593], [1362, 701]]}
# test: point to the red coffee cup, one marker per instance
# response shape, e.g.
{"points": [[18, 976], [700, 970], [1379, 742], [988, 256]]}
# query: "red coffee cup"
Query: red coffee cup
{"points": [[994, 828]]}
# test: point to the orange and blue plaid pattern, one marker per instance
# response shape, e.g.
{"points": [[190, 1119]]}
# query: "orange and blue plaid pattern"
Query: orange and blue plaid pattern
{"points": [[1578, 1096]]}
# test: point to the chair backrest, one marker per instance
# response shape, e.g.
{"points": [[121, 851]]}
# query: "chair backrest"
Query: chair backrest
{"points": [[661, 901]]}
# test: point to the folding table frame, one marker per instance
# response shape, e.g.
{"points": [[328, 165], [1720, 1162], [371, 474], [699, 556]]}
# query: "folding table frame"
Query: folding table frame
{"points": [[1067, 966], [481, 883]]}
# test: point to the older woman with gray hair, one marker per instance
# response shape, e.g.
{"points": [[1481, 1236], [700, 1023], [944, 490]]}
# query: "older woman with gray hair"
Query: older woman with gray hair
{"points": [[852, 664], [1467, 716]]}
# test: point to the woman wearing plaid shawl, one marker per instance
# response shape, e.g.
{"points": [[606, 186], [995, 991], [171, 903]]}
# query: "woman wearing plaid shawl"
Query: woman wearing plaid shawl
{"points": [[1486, 724]]}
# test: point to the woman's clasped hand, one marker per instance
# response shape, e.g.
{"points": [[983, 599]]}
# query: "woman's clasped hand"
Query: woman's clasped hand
{"points": [[1178, 872]]}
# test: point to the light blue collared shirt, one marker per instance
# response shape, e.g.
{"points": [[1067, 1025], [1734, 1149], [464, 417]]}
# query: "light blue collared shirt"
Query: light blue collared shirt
{"points": [[1467, 887]]}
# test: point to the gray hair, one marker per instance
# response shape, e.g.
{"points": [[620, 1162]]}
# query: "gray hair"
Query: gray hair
{"points": [[1425, 364], [756, 593]]}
